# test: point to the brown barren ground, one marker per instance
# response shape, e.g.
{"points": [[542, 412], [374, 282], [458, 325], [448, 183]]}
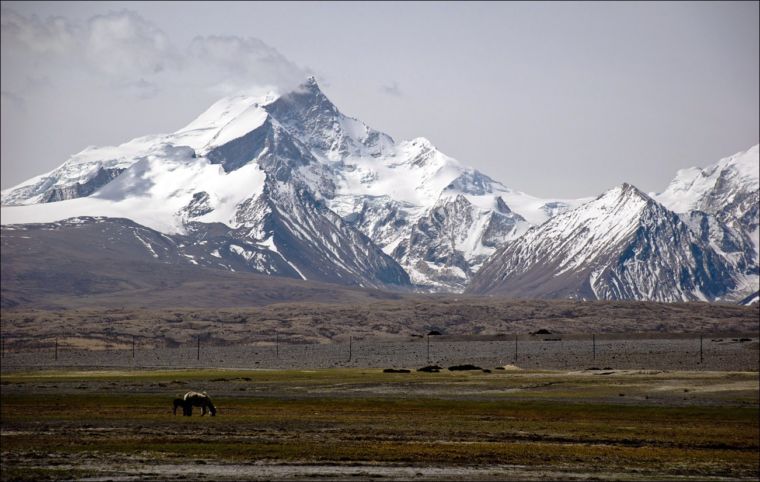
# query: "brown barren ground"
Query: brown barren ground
{"points": [[314, 322]]}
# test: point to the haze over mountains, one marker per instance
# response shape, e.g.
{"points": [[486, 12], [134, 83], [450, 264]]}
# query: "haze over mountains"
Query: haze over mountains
{"points": [[286, 185]]}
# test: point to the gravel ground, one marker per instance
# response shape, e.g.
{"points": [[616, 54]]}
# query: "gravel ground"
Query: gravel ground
{"points": [[660, 352], [359, 472]]}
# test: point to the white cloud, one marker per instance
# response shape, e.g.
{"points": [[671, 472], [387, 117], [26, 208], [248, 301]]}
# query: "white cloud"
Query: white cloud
{"points": [[240, 62], [135, 57], [121, 48], [54, 35], [125, 45]]}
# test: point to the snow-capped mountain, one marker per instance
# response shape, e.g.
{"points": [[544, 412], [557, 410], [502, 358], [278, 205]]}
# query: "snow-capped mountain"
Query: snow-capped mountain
{"points": [[293, 167], [622, 245], [288, 185], [727, 190]]}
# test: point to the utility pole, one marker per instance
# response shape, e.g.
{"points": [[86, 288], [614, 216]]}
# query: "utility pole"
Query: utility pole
{"points": [[515, 348], [701, 359]]}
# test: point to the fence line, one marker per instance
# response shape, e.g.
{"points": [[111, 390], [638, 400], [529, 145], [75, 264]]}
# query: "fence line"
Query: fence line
{"points": [[634, 350], [19, 344]]}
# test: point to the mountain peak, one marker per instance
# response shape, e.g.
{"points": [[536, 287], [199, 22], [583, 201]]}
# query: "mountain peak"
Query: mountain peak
{"points": [[310, 83], [310, 89], [744, 163], [622, 193], [727, 185], [627, 188]]}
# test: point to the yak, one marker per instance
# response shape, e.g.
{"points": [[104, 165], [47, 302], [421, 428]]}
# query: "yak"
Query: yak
{"points": [[194, 399]]}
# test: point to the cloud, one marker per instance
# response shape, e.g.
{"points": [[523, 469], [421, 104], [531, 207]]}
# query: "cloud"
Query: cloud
{"points": [[119, 49], [54, 35], [125, 45], [391, 89], [135, 57], [242, 61]]}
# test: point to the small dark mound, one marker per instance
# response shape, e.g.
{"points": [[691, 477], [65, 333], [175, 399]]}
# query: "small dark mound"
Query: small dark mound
{"points": [[593, 368], [458, 368], [396, 370], [430, 369], [486, 370], [499, 368], [542, 331], [434, 333]]}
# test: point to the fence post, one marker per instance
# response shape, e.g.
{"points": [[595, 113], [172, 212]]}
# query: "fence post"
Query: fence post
{"points": [[350, 346], [2, 347], [133, 347], [428, 348], [593, 341], [277, 344], [56, 347], [198, 356]]}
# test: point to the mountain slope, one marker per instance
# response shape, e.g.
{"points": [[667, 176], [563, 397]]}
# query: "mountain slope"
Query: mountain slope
{"points": [[109, 262], [622, 245]]}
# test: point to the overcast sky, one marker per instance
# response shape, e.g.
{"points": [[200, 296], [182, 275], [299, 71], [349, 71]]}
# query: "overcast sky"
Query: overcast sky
{"points": [[554, 99]]}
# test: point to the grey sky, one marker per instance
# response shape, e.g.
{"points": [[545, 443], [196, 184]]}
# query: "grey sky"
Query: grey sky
{"points": [[554, 99]]}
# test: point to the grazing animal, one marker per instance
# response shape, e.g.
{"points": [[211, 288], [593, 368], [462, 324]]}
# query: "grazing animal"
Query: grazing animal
{"points": [[180, 402], [194, 399]]}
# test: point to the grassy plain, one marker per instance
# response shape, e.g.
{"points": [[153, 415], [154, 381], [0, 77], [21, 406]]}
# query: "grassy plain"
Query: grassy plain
{"points": [[361, 424]]}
